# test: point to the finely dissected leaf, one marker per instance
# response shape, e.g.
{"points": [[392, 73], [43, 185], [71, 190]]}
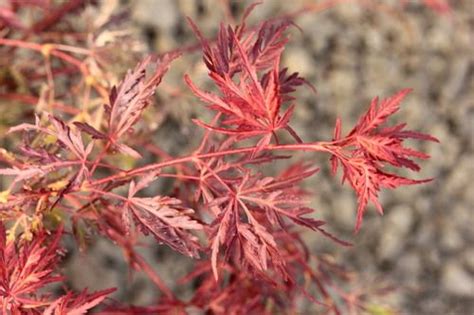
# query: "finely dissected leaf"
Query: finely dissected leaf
{"points": [[132, 96], [362, 177], [366, 150], [80, 304], [28, 267], [378, 114], [25, 268], [289, 83], [258, 246], [164, 217], [245, 68], [39, 162], [69, 138], [253, 210], [166, 227]]}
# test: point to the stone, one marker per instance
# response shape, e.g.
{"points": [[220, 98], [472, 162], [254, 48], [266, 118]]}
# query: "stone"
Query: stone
{"points": [[451, 239], [298, 59], [344, 210], [456, 281], [468, 259], [162, 14], [396, 226]]}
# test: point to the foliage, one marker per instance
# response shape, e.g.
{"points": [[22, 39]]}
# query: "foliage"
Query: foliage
{"points": [[242, 223]]}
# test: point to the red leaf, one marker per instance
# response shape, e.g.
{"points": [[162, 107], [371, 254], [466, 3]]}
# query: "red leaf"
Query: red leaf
{"points": [[25, 268], [378, 114], [69, 137], [368, 148], [164, 217], [250, 100], [79, 304], [85, 127], [133, 95]]}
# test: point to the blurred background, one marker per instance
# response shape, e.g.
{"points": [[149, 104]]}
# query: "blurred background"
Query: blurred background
{"points": [[351, 51]]}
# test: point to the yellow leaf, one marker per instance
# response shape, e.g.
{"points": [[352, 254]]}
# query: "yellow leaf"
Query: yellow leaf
{"points": [[375, 309], [11, 235], [27, 236], [9, 157], [4, 196], [50, 139], [60, 184], [36, 223]]}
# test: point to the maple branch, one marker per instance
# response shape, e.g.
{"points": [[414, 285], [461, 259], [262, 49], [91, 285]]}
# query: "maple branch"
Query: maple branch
{"points": [[322, 146]]}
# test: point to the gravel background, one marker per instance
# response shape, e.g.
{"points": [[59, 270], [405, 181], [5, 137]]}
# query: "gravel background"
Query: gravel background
{"points": [[351, 53]]}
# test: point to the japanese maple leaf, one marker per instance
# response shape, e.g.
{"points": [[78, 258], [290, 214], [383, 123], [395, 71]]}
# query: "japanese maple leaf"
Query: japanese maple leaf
{"points": [[76, 304], [253, 89], [67, 136], [370, 146], [129, 100], [251, 212], [163, 217], [26, 267]]}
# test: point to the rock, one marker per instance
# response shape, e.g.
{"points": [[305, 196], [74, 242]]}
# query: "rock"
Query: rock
{"points": [[396, 226], [457, 281], [433, 258], [299, 60], [468, 259], [344, 210], [458, 182], [162, 14], [451, 239], [410, 268], [448, 152]]}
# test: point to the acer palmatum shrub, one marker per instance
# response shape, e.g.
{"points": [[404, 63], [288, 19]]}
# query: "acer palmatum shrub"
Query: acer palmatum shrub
{"points": [[240, 224]]}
